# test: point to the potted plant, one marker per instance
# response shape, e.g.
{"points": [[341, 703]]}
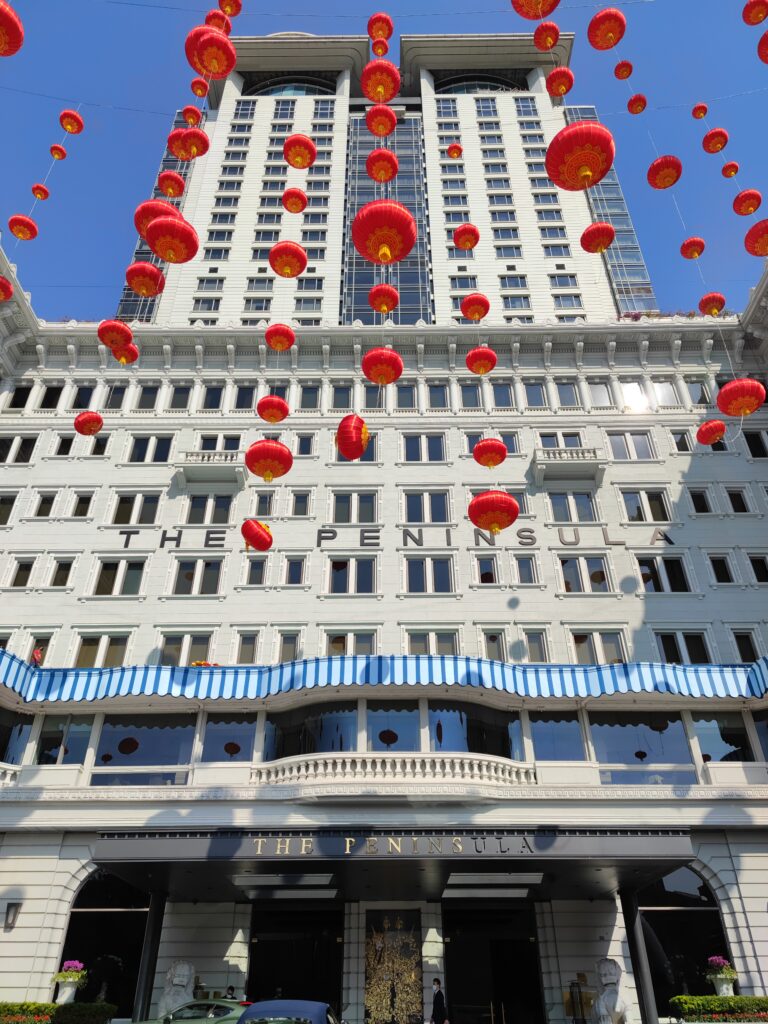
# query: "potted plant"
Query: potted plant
{"points": [[722, 975], [70, 978]]}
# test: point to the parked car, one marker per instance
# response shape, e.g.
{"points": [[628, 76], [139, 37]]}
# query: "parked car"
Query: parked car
{"points": [[223, 1011], [289, 1011]]}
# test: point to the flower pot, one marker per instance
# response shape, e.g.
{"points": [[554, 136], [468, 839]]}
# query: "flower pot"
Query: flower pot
{"points": [[723, 986], [66, 993]]}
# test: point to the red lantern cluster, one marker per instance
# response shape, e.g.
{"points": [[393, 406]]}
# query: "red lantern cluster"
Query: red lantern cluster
{"points": [[299, 151], [756, 239], [380, 81], [219, 20], [382, 165], [475, 307], [711, 432], [210, 52], [712, 304], [88, 423], [692, 248], [268, 459], [118, 337], [352, 437], [188, 143], [597, 237], [715, 140], [383, 298], [11, 30], [294, 200], [665, 172], [288, 259], [490, 452], [150, 210], [741, 397], [381, 120], [747, 202], [279, 337], [384, 231], [256, 535], [173, 239], [580, 155], [560, 81], [466, 236], [272, 408], [546, 36], [481, 360], [145, 279], [382, 366], [606, 29], [493, 511]]}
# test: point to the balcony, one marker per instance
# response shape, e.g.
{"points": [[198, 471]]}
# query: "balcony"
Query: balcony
{"points": [[212, 467], [568, 464]]}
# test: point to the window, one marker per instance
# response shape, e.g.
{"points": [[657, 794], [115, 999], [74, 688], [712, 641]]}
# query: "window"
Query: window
{"points": [[310, 396], [83, 396], [7, 501], [245, 397], [354, 507], [300, 503], [556, 736], [337, 644], [119, 577], [426, 507], [150, 449], [737, 499], [637, 740], [759, 566], [245, 110], [700, 502], [51, 396], [594, 648], [217, 253], [556, 251], [180, 397], [197, 576], [535, 397], [576, 507], [428, 576], [136, 508], [434, 643], [437, 396], [294, 570], [209, 508], [558, 440], [102, 650], [369, 455], [82, 506], [524, 567], [352, 576], [589, 568], [600, 394], [305, 444], [16, 450], [44, 508], [486, 567], [665, 393], [219, 442], [424, 447], [536, 645], [567, 395], [405, 395], [22, 570], [681, 440], [645, 506], [721, 568], [470, 396], [288, 647], [525, 106], [681, 647], [184, 649], [502, 394], [631, 446], [19, 397], [663, 574], [147, 397], [64, 444], [64, 739], [446, 108], [757, 443], [722, 736], [62, 568], [745, 645]]}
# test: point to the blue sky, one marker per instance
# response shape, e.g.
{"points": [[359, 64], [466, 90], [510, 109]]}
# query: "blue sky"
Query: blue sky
{"points": [[124, 62]]}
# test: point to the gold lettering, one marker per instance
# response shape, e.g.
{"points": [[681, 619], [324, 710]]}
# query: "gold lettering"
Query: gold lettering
{"points": [[371, 845], [259, 844], [349, 843], [394, 845], [414, 844], [435, 846], [282, 846], [458, 846], [306, 846]]}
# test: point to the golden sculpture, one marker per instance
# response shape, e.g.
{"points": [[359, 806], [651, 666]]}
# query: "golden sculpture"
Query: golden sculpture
{"points": [[393, 984]]}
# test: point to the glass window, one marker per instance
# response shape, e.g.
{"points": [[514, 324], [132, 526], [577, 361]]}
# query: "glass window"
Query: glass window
{"points": [[536, 642], [229, 736], [600, 394], [556, 736], [145, 740], [761, 725], [15, 730], [456, 726], [722, 736], [64, 739], [634, 738], [311, 730], [393, 725], [681, 440]]}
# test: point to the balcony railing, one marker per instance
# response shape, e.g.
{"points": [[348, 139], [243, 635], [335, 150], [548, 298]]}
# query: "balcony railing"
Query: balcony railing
{"points": [[226, 466], [574, 463], [212, 458]]}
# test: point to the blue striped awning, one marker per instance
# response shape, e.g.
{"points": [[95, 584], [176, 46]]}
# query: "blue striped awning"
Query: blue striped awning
{"points": [[256, 682]]}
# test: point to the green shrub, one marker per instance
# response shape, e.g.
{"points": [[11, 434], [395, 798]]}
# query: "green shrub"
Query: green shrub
{"points": [[26, 1013], [719, 1008], [84, 1013]]}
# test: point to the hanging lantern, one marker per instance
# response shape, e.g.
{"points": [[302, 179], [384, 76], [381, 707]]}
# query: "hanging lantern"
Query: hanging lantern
{"points": [[534, 9], [192, 116], [380, 26], [490, 452], [700, 111], [279, 337], [731, 169], [71, 122], [58, 152], [170, 184], [560, 81], [145, 279], [747, 202], [210, 52], [114, 334], [546, 36], [380, 81], [6, 289], [606, 29], [692, 248], [23, 228], [11, 31], [466, 236], [597, 237], [268, 459], [383, 298], [381, 165], [199, 87], [178, 144], [40, 191], [272, 408], [664, 172], [126, 354], [580, 155], [715, 140], [755, 11], [197, 142], [288, 259], [231, 748], [493, 511], [256, 535], [711, 432], [88, 423], [454, 150], [294, 200], [623, 70], [172, 239], [712, 304], [231, 7], [299, 151], [384, 231], [762, 48], [637, 103], [481, 360], [381, 120], [475, 307], [352, 437], [740, 397], [219, 20], [756, 239], [150, 210], [382, 366], [380, 47]]}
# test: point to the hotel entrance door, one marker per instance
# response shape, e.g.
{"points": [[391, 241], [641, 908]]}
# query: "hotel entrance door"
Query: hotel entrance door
{"points": [[492, 966]]}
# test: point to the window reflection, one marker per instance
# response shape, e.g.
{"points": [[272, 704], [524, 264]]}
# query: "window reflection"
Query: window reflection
{"points": [[145, 740], [393, 725], [722, 736], [556, 736], [229, 737], [638, 741], [457, 727], [310, 730], [14, 733], [64, 739]]}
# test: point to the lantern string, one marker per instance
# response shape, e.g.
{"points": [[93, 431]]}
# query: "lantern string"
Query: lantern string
{"points": [[354, 17]]}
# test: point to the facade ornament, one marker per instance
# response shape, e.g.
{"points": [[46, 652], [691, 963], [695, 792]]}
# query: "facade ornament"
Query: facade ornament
{"points": [[42, 355], [579, 350], [675, 348], [72, 355], [167, 355], [451, 353], [642, 350], [262, 354], [101, 351], [178, 987], [231, 356], [357, 351], [326, 355], [420, 355], [294, 353], [516, 354], [610, 1007], [706, 349], [199, 350], [547, 351]]}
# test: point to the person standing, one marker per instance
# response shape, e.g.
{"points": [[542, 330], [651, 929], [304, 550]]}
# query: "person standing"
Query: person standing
{"points": [[439, 1015]]}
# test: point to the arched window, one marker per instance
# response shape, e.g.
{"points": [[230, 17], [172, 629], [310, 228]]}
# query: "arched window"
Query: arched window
{"points": [[464, 86], [292, 87]]}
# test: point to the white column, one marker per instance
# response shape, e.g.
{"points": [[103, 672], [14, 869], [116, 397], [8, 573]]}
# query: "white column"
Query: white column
{"points": [[584, 395]]}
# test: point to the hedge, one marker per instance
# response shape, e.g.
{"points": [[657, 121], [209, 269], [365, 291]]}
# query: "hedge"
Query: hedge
{"points": [[26, 1013], [50, 1013], [719, 1008]]}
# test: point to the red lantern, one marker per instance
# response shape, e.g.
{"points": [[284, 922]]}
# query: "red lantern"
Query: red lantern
{"points": [[637, 103], [192, 116], [381, 165], [715, 140], [546, 36], [268, 459], [380, 47], [560, 81], [6, 289], [380, 26], [178, 144], [597, 237], [219, 20], [199, 87], [607, 29], [294, 200], [712, 304], [352, 437], [580, 155], [534, 9], [114, 334], [762, 48], [700, 111], [664, 172], [623, 70], [210, 52], [288, 259], [231, 748], [23, 228], [692, 248], [490, 452], [88, 423], [755, 11], [299, 151], [747, 202], [58, 152], [466, 236], [756, 239], [231, 7], [455, 150], [11, 31], [731, 169], [145, 279], [197, 141], [256, 535], [128, 746], [710, 432], [384, 231], [172, 239], [475, 306], [740, 397], [127, 354], [71, 122], [380, 81], [381, 120], [493, 511], [383, 298], [150, 210], [272, 408], [382, 366], [481, 360], [39, 191], [279, 337], [170, 184]]}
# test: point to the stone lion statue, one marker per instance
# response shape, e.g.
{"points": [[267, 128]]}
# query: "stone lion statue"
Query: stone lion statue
{"points": [[177, 988], [610, 1007]]}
